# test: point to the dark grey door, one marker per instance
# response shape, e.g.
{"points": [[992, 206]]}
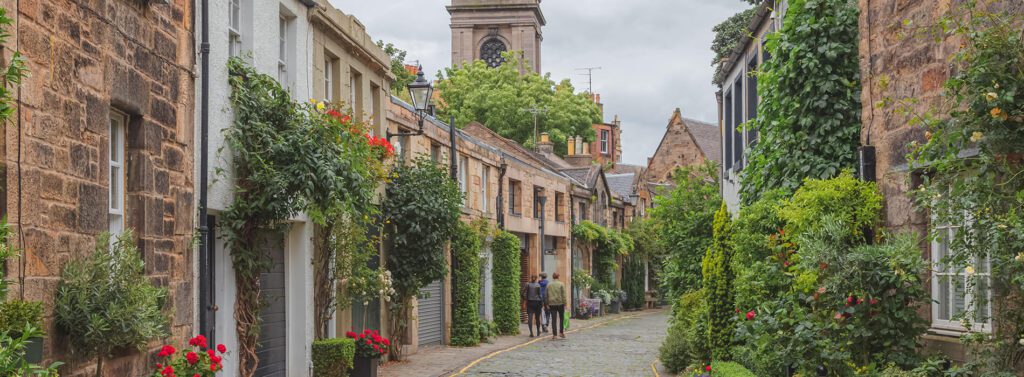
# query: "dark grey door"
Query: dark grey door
{"points": [[431, 315], [272, 348]]}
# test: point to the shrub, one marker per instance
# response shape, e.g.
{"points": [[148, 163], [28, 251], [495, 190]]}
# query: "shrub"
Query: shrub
{"points": [[488, 331], [684, 218], [466, 286], [717, 274], [105, 303], [15, 315], [686, 343], [333, 357], [729, 369], [855, 203], [633, 276], [506, 282], [757, 237]]}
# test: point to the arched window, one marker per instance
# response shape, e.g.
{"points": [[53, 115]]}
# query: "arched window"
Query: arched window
{"points": [[490, 52]]}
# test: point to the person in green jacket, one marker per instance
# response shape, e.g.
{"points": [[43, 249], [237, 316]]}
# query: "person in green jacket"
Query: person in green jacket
{"points": [[556, 306]]}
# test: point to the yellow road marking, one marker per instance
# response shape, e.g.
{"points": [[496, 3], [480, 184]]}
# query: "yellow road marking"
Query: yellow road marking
{"points": [[498, 352], [654, 368]]}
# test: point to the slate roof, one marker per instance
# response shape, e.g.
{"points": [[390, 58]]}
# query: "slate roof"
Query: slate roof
{"points": [[708, 138], [621, 184]]}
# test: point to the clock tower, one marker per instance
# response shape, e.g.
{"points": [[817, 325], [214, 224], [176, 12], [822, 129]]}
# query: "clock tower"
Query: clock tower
{"points": [[483, 29]]}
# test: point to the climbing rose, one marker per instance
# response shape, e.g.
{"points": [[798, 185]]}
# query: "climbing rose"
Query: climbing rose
{"points": [[750, 315], [707, 368], [192, 358]]}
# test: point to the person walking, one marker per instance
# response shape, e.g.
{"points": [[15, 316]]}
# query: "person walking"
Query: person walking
{"points": [[543, 294], [556, 306], [534, 302]]}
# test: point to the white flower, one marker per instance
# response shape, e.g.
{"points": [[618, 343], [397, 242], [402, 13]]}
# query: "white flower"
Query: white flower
{"points": [[1019, 257], [969, 270], [991, 96], [1021, 341]]}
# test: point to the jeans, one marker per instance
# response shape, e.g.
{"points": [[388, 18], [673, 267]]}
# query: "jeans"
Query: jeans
{"points": [[533, 309], [557, 314]]}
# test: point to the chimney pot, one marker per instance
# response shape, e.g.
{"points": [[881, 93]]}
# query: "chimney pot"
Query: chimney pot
{"points": [[571, 143]]}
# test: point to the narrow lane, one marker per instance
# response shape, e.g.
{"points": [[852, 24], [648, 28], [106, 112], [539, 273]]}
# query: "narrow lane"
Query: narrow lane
{"points": [[625, 347]]}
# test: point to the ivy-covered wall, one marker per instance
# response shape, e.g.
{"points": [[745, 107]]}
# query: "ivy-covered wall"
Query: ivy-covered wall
{"points": [[466, 286], [506, 283]]}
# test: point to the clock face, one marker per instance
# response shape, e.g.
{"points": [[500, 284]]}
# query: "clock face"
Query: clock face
{"points": [[491, 51]]}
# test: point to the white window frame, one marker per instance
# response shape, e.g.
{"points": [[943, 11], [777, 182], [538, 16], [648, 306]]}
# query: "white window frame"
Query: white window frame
{"points": [[234, 28], [464, 179], [604, 141], [328, 79], [485, 172], [116, 171], [940, 247], [282, 55]]}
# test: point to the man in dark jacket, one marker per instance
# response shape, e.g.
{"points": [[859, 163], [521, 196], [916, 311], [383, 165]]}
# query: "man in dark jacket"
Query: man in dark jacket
{"points": [[544, 297], [534, 301]]}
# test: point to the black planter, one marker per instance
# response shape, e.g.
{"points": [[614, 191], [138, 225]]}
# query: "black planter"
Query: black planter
{"points": [[34, 350], [616, 307], [365, 367]]}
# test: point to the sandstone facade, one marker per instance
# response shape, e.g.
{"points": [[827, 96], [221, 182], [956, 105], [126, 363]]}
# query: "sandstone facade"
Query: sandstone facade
{"points": [[686, 142], [91, 62]]}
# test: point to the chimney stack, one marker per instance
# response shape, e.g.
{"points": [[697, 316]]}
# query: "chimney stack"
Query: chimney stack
{"points": [[616, 121], [545, 145]]}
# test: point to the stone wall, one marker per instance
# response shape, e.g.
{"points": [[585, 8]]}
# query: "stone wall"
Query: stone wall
{"points": [[677, 149], [87, 58], [898, 62]]}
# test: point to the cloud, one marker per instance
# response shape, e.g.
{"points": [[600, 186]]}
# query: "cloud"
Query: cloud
{"points": [[654, 55]]}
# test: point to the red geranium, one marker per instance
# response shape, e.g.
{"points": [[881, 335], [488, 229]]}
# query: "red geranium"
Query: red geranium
{"points": [[369, 343], [197, 362]]}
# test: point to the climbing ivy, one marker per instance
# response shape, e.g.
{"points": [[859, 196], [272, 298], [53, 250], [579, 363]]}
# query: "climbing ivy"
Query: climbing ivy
{"points": [[605, 245], [727, 35], [809, 115], [506, 282], [633, 275], [286, 158], [466, 290]]}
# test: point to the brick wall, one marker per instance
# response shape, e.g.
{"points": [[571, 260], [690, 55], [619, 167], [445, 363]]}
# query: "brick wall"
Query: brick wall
{"points": [[914, 66], [85, 58]]}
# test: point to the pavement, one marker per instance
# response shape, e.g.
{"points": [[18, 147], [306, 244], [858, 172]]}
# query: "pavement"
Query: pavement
{"points": [[614, 345]]}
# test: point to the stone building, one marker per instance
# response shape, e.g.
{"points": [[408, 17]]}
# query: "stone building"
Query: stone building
{"points": [[911, 67], [316, 52], [686, 142], [483, 29], [102, 141], [607, 145]]}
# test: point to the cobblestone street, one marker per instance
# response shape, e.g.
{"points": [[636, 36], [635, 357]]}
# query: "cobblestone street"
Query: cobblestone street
{"points": [[623, 347]]}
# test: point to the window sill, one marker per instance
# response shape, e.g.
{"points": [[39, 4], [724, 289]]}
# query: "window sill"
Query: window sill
{"points": [[513, 214]]}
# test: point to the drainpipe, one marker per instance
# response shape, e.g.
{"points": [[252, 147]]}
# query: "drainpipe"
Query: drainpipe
{"points": [[452, 153], [453, 156], [500, 212], [543, 201], [206, 292]]}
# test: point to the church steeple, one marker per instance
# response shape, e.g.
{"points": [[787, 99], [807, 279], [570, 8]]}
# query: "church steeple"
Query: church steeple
{"points": [[483, 29]]}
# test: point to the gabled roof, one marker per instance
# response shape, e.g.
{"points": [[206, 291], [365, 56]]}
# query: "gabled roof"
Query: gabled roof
{"points": [[621, 184], [707, 136]]}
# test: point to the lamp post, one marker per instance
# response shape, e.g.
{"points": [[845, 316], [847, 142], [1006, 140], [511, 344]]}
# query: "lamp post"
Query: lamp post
{"points": [[421, 92]]}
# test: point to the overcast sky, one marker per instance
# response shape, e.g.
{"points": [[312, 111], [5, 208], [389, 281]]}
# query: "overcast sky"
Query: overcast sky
{"points": [[655, 54]]}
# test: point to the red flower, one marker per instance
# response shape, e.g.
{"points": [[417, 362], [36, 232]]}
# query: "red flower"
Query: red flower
{"points": [[860, 301], [166, 351], [215, 359], [850, 300], [707, 368], [192, 358], [196, 375], [221, 348], [751, 315], [350, 334], [198, 341], [386, 342], [168, 371], [786, 263], [214, 367], [211, 353], [873, 301], [369, 342]]}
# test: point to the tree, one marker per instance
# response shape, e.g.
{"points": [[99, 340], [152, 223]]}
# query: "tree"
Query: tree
{"points": [[500, 97], [717, 275], [684, 218], [402, 76], [809, 116], [106, 303], [727, 35], [421, 209]]}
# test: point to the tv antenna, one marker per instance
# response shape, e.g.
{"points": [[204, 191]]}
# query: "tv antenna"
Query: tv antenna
{"points": [[590, 77]]}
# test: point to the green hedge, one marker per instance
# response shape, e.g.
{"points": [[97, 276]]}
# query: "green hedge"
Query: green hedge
{"points": [[333, 357], [729, 369], [686, 343], [506, 283], [633, 283], [466, 287]]}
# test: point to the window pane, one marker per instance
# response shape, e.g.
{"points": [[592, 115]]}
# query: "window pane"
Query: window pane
{"points": [[115, 189], [959, 295], [235, 14], [982, 306], [943, 298]]}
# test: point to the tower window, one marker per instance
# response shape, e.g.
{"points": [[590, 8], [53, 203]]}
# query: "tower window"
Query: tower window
{"points": [[490, 52]]}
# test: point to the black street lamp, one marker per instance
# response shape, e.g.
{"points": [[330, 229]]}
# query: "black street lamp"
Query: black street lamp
{"points": [[421, 92]]}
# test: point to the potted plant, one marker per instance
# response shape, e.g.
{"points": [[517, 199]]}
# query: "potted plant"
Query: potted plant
{"points": [[618, 297], [195, 361], [370, 347], [20, 317]]}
